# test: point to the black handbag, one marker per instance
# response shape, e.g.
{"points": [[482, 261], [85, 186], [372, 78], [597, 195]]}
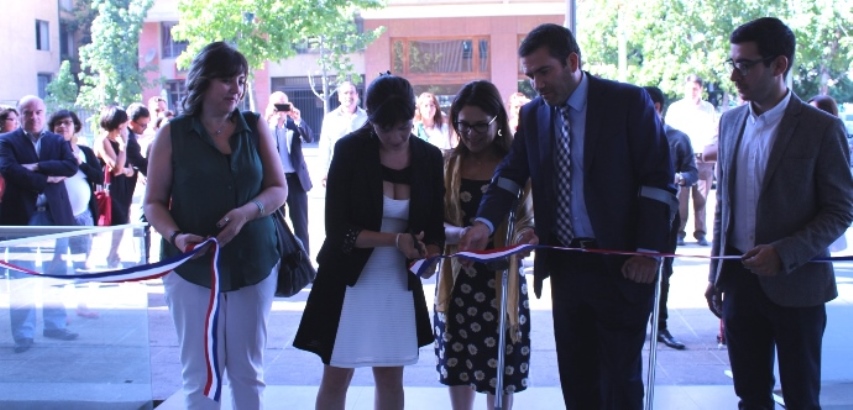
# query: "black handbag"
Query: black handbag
{"points": [[295, 270]]}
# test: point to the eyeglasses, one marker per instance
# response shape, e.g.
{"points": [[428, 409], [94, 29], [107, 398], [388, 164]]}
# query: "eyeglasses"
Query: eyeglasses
{"points": [[480, 127], [67, 123], [743, 66]]}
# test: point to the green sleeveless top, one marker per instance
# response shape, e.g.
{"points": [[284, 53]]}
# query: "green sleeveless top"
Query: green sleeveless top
{"points": [[206, 184]]}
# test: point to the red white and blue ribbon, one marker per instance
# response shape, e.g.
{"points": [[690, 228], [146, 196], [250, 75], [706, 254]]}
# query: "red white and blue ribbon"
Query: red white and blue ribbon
{"points": [[213, 384], [420, 267]]}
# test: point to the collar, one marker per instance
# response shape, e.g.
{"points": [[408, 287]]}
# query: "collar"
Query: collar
{"points": [[577, 100], [774, 114]]}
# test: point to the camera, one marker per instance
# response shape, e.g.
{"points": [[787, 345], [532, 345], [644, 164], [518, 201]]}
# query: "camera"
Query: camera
{"points": [[282, 107]]}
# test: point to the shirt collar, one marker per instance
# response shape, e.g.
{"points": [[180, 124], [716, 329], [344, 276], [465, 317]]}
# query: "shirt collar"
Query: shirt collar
{"points": [[577, 101], [774, 114]]}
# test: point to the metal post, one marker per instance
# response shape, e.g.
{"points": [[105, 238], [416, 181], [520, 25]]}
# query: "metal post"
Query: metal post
{"points": [[653, 343], [499, 396]]}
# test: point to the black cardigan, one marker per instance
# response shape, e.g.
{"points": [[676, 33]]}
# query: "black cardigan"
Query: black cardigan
{"points": [[94, 173], [354, 202]]}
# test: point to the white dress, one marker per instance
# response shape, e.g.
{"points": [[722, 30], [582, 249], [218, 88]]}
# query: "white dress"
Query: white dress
{"points": [[377, 326]]}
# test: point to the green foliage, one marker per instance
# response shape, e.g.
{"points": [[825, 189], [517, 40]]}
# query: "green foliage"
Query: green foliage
{"points": [[268, 30], [111, 73], [62, 91], [668, 39]]}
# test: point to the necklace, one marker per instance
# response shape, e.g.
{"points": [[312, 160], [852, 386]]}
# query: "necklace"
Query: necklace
{"points": [[218, 130]]}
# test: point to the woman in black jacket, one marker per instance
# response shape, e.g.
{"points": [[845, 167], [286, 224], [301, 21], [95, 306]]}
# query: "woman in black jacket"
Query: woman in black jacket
{"points": [[383, 207]]}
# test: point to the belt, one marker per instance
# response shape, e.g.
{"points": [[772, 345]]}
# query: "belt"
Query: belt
{"points": [[42, 208], [290, 174]]}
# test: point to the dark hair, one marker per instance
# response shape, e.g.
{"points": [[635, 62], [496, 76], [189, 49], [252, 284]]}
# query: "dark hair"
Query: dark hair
{"points": [[656, 95], [559, 40], [485, 96], [61, 115], [826, 103], [389, 99], [4, 113], [772, 37], [693, 78], [112, 118], [215, 60], [137, 111]]}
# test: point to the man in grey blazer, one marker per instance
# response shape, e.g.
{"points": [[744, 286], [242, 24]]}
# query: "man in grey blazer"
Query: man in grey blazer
{"points": [[784, 194]]}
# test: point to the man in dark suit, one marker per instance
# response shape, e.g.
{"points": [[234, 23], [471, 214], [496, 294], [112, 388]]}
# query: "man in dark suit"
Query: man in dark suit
{"points": [[686, 174], [290, 132], [35, 163], [140, 117], [599, 165], [784, 194]]}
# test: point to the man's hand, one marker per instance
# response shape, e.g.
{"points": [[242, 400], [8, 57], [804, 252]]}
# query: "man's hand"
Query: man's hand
{"points": [[324, 181], [55, 179], [31, 167], [640, 269], [476, 238], [715, 300], [762, 260]]}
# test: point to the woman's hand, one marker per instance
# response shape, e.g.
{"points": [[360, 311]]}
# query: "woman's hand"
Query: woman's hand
{"points": [[432, 251], [411, 245], [128, 171], [185, 241], [230, 225], [526, 236]]}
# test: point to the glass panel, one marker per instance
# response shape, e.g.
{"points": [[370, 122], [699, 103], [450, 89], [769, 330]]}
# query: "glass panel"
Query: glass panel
{"points": [[107, 365], [440, 56]]}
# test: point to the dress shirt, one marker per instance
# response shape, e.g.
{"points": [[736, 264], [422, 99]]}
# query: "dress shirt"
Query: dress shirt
{"points": [[284, 137], [759, 135], [581, 226], [41, 200], [699, 122]]}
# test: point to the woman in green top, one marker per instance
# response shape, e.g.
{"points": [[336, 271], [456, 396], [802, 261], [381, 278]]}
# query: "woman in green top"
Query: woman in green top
{"points": [[214, 172]]}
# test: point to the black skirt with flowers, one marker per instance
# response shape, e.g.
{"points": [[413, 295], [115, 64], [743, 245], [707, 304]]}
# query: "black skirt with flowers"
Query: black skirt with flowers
{"points": [[466, 337]]}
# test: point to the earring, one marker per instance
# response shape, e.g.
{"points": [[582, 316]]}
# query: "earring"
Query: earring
{"points": [[500, 133]]}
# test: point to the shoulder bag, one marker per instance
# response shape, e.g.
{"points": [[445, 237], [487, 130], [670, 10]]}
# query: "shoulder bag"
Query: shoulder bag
{"points": [[105, 203]]}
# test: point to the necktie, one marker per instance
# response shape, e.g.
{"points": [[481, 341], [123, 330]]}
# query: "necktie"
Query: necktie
{"points": [[564, 179]]}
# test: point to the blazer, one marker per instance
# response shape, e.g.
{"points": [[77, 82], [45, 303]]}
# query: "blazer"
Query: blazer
{"points": [[353, 203], [24, 186], [302, 134], [624, 149], [805, 201]]}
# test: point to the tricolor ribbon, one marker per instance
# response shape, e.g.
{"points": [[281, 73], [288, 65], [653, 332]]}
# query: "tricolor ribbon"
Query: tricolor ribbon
{"points": [[213, 384], [420, 266]]}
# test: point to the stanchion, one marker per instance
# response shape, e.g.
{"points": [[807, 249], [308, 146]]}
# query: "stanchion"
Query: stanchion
{"points": [[499, 387], [653, 343]]}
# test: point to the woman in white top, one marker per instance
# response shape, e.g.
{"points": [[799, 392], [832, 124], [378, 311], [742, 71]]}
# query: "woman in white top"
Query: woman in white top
{"points": [[430, 124], [81, 190]]}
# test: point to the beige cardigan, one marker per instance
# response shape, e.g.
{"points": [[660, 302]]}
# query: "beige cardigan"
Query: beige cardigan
{"points": [[450, 267]]}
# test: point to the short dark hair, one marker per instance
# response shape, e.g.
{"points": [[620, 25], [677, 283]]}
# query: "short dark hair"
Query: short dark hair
{"points": [[559, 40], [826, 103], [656, 95], [5, 111], [772, 37], [485, 96], [215, 60], [61, 115], [112, 118], [389, 99], [693, 78], [137, 111]]}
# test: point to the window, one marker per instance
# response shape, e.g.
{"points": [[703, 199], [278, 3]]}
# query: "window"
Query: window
{"points": [[42, 35], [177, 91], [43, 81], [171, 48], [441, 61], [66, 41]]}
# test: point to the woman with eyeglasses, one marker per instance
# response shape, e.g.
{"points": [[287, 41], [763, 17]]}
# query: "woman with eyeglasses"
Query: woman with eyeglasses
{"points": [[81, 190], [467, 307]]}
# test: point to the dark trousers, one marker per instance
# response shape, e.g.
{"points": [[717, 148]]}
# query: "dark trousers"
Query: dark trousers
{"points": [[756, 328], [599, 334], [667, 272], [297, 204]]}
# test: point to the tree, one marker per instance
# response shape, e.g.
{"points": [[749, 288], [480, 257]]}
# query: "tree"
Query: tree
{"points": [[668, 39], [270, 30], [62, 91], [110, 63]]}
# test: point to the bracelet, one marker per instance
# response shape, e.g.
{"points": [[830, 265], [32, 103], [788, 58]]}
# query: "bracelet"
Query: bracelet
{"points": [[397, 241], [173, 236], [260, 206]]}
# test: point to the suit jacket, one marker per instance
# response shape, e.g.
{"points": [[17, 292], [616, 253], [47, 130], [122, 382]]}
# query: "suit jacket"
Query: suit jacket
{"points": [[134, 156], [805, 201], [23, 186], [94, 173], [624, 150], [681, 152], [354, 202]]}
